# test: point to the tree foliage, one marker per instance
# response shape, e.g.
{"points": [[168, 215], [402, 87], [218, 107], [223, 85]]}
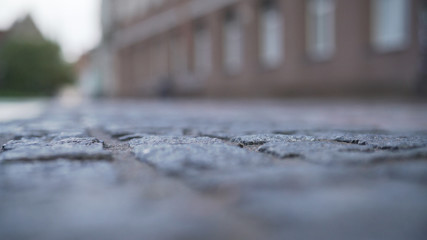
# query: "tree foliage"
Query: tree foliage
{"points": [[32, 68]]}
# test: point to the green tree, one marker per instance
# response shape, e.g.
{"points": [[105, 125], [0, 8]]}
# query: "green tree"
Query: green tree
{"points": [[32, 68]]}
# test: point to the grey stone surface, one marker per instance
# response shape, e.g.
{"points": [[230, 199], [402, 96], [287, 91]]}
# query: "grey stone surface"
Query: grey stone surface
{"points": [[388, 142], [127, 133], [339, 153], [39, 149], [294, 169], [148, 140], [340, 212], [260, 139], [182, 159], [55, 174]]}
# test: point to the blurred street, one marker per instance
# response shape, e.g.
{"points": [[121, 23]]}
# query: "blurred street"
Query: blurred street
{"points": [[214, 169], [213, 119]]}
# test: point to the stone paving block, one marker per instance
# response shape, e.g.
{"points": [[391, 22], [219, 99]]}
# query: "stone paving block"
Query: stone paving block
{"points": [[190, 158], [259, 128], [228, 130], [42, 149], [260, 139], [143, 133], [128, 133], [72, 133], [132, 136], [68, 130], [34, 139], [13, 144], [172, 140], [391, 142], [374, 138], [333, 152], [220, 134]]}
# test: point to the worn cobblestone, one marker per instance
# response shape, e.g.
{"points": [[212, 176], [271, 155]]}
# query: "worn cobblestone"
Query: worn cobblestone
{"points": [[171, 140], [330, 152], [266, 138], [41, 149], [216, 170], [190, 158]]}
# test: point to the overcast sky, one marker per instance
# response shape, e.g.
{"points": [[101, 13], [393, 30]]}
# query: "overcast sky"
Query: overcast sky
{"points": [[74, 24]]}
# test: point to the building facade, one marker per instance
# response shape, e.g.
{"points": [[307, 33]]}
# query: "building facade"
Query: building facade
{"points": [[229, 48]]}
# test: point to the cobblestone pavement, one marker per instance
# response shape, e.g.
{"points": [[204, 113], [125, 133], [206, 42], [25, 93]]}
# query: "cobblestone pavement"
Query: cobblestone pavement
{"points": [[216, 170]]}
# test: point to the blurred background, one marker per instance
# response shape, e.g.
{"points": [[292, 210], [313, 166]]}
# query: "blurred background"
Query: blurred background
{"points": [[213, 48]]}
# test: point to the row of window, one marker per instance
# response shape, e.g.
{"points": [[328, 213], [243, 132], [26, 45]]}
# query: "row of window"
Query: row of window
{"points": [[390, 24]]}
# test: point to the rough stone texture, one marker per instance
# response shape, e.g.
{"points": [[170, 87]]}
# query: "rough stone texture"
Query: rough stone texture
{"points": [[216, 170], [127, 133], [260, 139], [330, 152], [388, 142], [171, 140], [190, 158], [38, 149]]}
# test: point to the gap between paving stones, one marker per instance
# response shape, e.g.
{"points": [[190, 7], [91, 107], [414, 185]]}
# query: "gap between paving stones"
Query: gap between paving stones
{"points": [[133, 170], [114, 143]]}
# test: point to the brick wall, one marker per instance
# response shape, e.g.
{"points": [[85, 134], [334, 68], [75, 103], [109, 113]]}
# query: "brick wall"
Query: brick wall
{"points": [[145, 52]]}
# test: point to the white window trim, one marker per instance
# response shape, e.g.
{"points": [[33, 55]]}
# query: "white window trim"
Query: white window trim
{"points": [[312, 51], [232, 64], [377, 43], [266, 61]]}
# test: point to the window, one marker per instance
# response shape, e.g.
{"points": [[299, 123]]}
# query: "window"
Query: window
{"points": [[202, 50], [271, 30], [233, 43], [390, 26], [320, 29]]}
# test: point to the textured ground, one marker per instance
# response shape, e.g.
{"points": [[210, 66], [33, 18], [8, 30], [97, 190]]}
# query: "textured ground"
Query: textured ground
{"points": [[216, 170]]}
